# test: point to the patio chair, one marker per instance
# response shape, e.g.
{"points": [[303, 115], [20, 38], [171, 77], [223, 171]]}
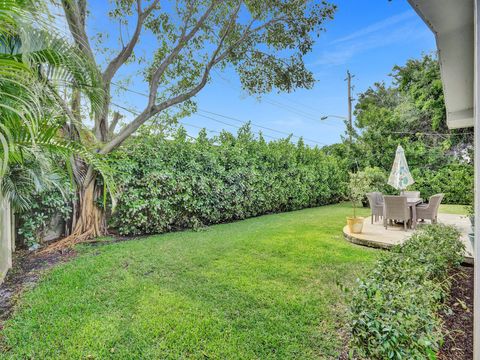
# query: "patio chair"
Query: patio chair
{"points": [[411, 194], [375, 199], [430, 211], [395, 208]]}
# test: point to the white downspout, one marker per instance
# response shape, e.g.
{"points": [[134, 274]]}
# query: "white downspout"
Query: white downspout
{"points": [[476, 305]]}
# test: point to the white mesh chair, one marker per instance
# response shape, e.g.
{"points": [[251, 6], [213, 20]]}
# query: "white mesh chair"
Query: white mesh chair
{"points": [[375, 199], [395, 208], [430, 211], [411, 194]]}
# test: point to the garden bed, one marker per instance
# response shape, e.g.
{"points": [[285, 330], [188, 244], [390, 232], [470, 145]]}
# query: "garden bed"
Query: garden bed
{"points": [[458, 323], [25, 273]]}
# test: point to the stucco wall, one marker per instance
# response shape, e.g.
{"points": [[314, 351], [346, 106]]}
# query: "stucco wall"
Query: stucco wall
{"points": [[6, 239]]}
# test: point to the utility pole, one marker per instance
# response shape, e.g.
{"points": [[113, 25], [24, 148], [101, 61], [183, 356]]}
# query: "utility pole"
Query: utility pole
{"points": [[350, 101]]}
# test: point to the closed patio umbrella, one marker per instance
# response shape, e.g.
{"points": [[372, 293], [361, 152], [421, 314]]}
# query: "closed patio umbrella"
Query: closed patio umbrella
{"points": [[400, 176]]}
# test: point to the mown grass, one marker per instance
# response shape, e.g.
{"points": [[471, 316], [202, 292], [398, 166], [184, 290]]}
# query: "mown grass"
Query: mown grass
{"points": [[268, 287], [453, 209]]}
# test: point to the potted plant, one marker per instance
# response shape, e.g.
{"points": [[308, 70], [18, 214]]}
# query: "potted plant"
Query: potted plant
{"points": [[357, 188], [373, 179]]}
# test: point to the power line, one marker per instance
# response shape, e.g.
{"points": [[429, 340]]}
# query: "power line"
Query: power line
{"points": [[427, 134], [283, 106], [231, 118], [200, 128], [133, 112], [235, 126], [136, 112], [260, 126], [273, 102]]}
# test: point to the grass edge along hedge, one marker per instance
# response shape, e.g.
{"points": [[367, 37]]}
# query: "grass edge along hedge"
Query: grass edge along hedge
{"points": [[169, 184], [395, 309]]}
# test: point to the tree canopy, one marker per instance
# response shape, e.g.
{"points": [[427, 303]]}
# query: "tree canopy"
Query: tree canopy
{"points": [[411, 112]]}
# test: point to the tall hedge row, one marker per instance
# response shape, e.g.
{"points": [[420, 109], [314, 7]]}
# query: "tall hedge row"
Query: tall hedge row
{"points": [[455, 180], [176, 183]]}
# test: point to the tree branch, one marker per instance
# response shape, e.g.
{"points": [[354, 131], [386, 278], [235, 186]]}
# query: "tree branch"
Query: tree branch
{"points": [[75, 13], [183, 40], [249, 31], [116, 118], [127, 50], [153, 110]]}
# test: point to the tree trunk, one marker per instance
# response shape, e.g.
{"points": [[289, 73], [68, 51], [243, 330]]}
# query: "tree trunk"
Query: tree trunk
{"points": [[89, 220]]}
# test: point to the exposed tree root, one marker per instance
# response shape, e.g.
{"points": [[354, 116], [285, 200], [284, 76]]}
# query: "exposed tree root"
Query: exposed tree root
{"points": [[89, 225], [68, 242]]}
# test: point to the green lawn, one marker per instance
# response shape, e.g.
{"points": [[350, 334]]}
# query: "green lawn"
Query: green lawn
{"points": [[268, 287], [453, 209]]}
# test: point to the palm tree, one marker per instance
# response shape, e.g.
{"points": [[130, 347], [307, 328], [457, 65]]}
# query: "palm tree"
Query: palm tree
{"points": [[35, 63]]}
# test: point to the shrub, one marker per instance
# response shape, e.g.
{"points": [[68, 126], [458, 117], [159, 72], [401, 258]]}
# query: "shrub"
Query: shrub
{"points": [[454, 180], [176, 183], [35, 221], [395, 308], [368, 180]]}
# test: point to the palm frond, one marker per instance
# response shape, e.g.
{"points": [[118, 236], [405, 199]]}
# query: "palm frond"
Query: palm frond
{"points": [[34, 62]]}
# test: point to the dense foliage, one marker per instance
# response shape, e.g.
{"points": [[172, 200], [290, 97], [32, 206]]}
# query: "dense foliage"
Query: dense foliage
{"points": [[46, 205], [170, 184], [368, 180], [411, 112], [36, 61], [395, 309]]}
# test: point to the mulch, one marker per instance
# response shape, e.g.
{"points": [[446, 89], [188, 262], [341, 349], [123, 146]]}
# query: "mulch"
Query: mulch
{"points": [[458, 323], [24, 274]]}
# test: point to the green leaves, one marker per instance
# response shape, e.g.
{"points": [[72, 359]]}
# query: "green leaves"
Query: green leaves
{"points": [[395, 308], [36, 63], [411, 112], [170, 184]]}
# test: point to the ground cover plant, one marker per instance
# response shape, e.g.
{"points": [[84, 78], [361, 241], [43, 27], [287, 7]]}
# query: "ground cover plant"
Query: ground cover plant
{"points": [[267, 287], [396, 308]]}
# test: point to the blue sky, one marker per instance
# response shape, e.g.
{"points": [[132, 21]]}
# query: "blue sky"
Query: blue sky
{"points": [[366, 37]]}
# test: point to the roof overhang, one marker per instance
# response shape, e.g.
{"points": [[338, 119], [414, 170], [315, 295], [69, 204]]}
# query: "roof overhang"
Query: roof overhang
{"points": [[452, 22]]}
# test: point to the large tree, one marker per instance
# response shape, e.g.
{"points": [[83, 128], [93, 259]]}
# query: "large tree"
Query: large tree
{"points": [[410, 111], [34, 63], [265, 41]]}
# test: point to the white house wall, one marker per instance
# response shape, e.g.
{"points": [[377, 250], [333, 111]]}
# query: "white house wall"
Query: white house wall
{"points": [[6, 238], [452, 22], [476, 286]]}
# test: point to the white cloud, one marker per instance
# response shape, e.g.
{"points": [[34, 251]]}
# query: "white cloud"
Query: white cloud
{"points": [[373, 28], [393, 30]]}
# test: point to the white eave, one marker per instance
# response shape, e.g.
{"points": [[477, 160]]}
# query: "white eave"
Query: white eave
{"points": [[452, 23]]}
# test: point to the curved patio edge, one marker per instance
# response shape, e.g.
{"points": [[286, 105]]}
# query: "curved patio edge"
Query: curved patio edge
{"points": [[375, 236], [357, 239]]}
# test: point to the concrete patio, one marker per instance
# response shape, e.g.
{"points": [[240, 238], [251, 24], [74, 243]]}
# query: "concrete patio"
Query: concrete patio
{"points": [[375, 235]]}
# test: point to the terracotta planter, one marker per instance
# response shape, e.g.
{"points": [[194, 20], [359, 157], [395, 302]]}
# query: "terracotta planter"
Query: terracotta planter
{"points": [[355, 224]]}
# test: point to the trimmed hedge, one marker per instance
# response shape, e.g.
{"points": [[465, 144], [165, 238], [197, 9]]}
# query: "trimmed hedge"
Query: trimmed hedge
{"points": [[395, 308], [455, 180], [176, 183]]}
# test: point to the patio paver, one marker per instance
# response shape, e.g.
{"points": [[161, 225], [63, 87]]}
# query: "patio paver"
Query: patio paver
{"points": [[375, 235]]}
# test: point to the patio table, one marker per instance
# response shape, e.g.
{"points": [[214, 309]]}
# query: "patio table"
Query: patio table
{"points": [[412, 204]]}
